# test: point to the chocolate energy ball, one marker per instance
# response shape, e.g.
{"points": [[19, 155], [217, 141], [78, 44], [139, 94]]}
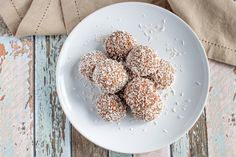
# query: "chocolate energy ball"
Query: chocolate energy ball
{"points": [[140, 93], [118, 45], [110, 107], [164, 76], [142, 60], [88, 63], [110, 76]]}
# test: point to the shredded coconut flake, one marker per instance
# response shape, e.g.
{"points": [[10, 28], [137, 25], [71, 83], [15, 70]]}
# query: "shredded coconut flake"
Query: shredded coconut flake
{"points": [[180, 117], [164, 130], [197, 83]]}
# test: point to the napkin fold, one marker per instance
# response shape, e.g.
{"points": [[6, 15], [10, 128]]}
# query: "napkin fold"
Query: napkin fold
{"points": [[214, 21]]}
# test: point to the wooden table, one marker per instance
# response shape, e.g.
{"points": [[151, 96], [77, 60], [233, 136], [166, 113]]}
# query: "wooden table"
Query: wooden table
{"points": [[32, 122]]}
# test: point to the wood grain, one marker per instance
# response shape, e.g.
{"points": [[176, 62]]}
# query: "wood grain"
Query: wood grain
{"points": [[115, 154], [16, 96], [52, 129], [164, 152], [221, 111], [198, 138], [81, 147], [194, 143], [181, 147]]}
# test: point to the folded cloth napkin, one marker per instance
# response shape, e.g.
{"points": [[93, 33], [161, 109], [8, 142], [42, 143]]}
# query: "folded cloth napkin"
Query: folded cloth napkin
{"points": [[214, 21]]}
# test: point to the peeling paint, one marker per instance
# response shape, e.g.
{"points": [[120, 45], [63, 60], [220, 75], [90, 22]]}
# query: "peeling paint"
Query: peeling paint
{"points": [[53, 129], [2, 50], [30, 81], [23, 47], [219, 110], [2, 97], [16, 119], [3, 53], [181, 148]]}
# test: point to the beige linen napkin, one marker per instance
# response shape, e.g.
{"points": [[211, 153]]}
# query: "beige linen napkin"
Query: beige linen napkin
{"points": [[214, 21]]}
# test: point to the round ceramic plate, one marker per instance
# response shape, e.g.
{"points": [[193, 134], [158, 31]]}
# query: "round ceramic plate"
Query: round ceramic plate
{"points": [[172, 39]]}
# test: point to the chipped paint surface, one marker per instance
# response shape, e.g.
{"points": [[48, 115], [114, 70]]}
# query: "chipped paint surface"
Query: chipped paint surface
{"points": [[219, 110], [198, 137], [52, 131], [194, 143], [181, 147], [2, 50], [16, 99]]}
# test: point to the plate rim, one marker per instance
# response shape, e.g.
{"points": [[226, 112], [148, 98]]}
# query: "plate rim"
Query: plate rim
{"points": [[172, 140]]}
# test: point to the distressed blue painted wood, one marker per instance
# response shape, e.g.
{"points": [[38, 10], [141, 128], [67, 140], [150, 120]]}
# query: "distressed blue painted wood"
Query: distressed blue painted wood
{"points": [[221, 111], [181, 147], [198, 137], [16, 95], [52, 129], [193, 143]]}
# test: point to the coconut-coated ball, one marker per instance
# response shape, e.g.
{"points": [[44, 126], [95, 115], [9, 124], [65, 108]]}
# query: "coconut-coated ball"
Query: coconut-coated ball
{"points": [[110, 107], [110, 76], [118, 45], [89, 62], [164, 75], [142, 60]]}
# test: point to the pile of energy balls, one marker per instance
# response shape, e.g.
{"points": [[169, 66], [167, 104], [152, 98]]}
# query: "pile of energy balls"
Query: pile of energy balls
{"points": [[128, 75]]}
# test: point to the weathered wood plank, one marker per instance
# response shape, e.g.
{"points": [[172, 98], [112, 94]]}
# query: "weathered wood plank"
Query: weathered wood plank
{"points": [[221, 111], [198, 138], [181, 147], [16, 96], [194, 143], [52, 129], [164, 152], [115, 154], [81, 147]]}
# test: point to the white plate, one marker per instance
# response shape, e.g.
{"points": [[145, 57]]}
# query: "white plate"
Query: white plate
{"points": [[169, 33]]}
